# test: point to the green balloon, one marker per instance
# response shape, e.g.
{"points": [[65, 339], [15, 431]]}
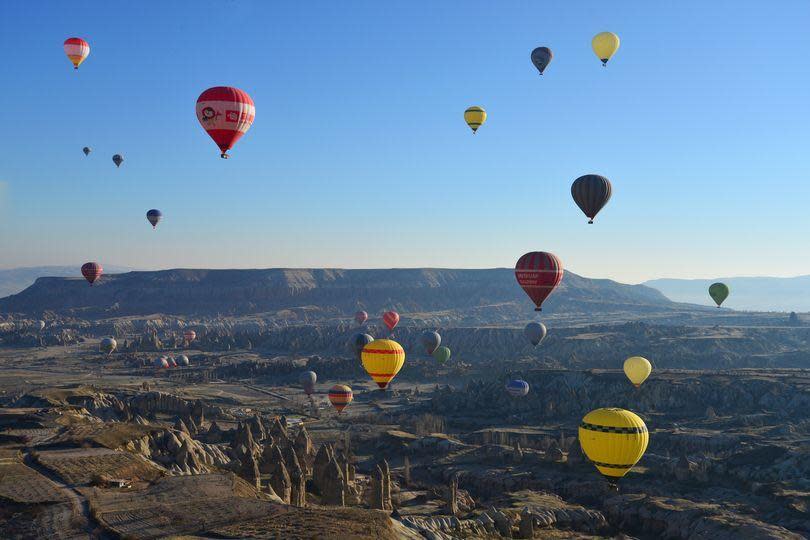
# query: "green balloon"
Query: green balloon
{"points": [[718, 292], [442, 355]]}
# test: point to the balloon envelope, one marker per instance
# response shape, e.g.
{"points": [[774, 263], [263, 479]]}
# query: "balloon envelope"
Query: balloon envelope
{"points": [[517, 388], [719, 292], [591, 193], [225, 113], [87, 150], [118, 160], [614, 440], [360, 317], [391, 319], [154, 216], [308, 380], [541, 58], [442, 355], [77, 50], [359, 341], [535, 332], [382, 360], [605, 45], [430, 341], [92, 271], [161, 362], [108, 345], [637, 369], [539, 273], [340, 396], [475, 118], [182, 360]]}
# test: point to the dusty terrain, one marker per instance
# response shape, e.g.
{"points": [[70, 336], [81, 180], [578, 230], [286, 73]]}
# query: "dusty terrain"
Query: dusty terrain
{"points": [[230, 446]]}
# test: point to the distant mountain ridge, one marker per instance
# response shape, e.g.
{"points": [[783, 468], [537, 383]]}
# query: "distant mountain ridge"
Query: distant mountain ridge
{"points": [[474, 296], [747, 293], [15, 280]]}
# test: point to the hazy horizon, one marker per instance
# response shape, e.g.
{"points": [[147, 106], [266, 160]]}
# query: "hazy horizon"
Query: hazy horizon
{"points": [[125, 268]]}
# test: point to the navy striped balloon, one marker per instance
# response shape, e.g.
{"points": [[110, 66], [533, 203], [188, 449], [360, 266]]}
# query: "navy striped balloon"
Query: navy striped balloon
{"points": [[517, 388], [591, 193]]}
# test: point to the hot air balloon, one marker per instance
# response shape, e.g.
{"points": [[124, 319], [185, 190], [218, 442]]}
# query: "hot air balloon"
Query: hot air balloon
{"points": [[340, 396], [591, 193], [92, 271], [391, 319], [189, 336], [382, 359], [442, 355], [541, 58], [41, 325], [536, 332], [430, 341], [538, 273], [517, 388], [718, 292], [182, 360], [475, 118], [77, 50], [118, 160], [614, 440], [359, 341], [154, 216], [108, 345], [637, 369], [162, 362], [172, 362], [226, 114], [360, 317], [605, 45], [87, 150], [308, 380]]}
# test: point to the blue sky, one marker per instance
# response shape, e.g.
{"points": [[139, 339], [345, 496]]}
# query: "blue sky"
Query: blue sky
{"points": [[359, 156]]}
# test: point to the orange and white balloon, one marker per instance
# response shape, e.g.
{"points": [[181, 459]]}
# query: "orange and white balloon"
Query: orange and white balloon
{"points": [[77, 50]]}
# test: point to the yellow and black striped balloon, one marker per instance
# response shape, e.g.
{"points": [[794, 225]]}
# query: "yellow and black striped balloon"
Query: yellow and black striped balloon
{"points": [[614, 440], [340, 396], [475, 117]]}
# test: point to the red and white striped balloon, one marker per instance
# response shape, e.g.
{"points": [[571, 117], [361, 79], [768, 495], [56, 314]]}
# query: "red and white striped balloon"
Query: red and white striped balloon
{"points": [[77, 50], [391, 319], [226, 114]]}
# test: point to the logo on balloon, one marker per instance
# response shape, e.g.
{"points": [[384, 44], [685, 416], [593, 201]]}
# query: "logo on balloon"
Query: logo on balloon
{"points": [[208, 114]]}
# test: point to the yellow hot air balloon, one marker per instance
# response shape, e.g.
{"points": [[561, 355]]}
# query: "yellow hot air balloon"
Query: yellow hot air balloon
{"points": [[637, 369], [475, 118], [614, 440], [605, 45], [382, 359]]}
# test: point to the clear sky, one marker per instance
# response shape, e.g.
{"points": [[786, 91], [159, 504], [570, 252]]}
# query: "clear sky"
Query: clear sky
{"points": [[359, 156]]}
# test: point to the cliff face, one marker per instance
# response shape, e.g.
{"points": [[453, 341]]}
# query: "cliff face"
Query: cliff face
{"points": [[490, 295]]}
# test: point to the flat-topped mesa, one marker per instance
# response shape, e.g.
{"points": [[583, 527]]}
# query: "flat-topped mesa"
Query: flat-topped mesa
{"points": [[334, 291]]}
